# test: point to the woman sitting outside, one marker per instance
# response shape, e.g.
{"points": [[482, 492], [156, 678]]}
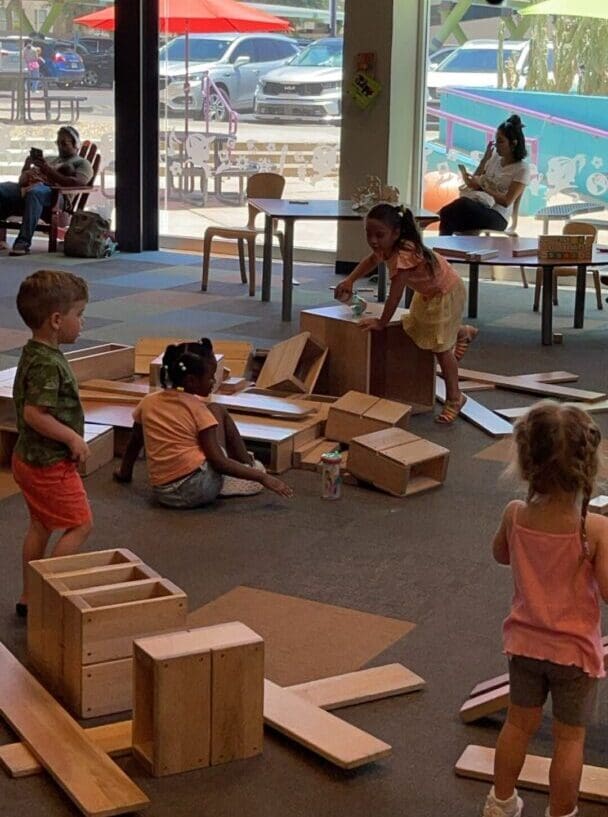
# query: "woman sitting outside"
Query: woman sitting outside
{"points": [[487, 199]]}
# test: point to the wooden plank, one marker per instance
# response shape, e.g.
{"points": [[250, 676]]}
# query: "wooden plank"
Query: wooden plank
{"points": [[484, 704], [338, 691], [592, 408], [478, 762], [477, 414], [491, 683], [114, 739], [116, 387], [317, 730], [109, 397], [359, 687], [475, 385], [260, 404], [87, 775], [531, 386]]}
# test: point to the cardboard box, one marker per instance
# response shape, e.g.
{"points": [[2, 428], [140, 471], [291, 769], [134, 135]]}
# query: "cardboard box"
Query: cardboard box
{"points": [[356, 414], [398, 462]]}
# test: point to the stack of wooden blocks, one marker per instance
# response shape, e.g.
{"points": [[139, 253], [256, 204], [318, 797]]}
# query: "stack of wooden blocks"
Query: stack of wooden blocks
{"points": [[84, 611], [198, 698]]}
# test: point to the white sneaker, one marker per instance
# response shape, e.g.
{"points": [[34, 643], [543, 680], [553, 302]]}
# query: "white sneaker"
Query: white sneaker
{"points": [[512, 807], [233, 486]]}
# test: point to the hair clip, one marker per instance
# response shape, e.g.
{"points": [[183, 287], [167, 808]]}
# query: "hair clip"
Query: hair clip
{"points": [[182, 366]]}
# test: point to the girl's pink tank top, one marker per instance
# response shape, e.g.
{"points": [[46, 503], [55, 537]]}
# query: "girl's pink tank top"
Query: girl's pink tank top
{"points": [[555, 611]]}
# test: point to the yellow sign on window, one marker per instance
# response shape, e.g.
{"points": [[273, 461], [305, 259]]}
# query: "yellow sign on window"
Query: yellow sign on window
{"points": [[364, 89]]}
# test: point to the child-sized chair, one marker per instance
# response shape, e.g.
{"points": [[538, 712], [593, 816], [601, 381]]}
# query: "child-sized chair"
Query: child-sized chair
{"points": [[570, 228], [259, 186]]}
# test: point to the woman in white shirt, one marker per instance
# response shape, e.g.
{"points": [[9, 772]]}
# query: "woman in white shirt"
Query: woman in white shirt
{"points": [[487, 200]]}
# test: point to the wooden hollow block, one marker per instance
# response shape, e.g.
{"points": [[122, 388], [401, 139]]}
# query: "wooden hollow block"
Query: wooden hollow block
{"points": [[96, 785], [105, 688], [293, 365], [478, 762], [54, 589], [110, 361], [357, 413], [277, 438], [100, 625], [233, 385], [398, 462], [484, 704], [39, 570], [387, 363], [198, 698]]}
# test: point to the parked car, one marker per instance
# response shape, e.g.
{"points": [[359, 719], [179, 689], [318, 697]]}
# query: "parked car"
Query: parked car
{"points": [[97, 45], [61, 63], [9, 57], [438, 56], [98, 66], [308, 88], [234, 62]]}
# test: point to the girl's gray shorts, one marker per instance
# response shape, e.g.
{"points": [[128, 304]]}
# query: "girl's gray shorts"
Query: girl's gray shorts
{"points": [[198, 488], [573, 692]]}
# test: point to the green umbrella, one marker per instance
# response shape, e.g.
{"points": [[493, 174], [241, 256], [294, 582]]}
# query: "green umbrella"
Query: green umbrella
{"points": [[570, 8]]}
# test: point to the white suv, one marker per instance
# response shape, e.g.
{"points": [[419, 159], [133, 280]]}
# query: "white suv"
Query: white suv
{"points": [[235, 62], [474, 65]]}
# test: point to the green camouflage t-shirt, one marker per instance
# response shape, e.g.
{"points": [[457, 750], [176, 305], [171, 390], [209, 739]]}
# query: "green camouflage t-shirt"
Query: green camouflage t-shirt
{"points": [[44, 378]]}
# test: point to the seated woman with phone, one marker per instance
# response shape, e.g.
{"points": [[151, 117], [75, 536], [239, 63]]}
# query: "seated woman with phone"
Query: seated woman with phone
{"points": [[488, 195], [33, 191]]}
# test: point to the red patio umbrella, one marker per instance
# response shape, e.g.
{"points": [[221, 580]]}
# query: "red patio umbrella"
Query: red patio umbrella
{"points": [[200, 16]]}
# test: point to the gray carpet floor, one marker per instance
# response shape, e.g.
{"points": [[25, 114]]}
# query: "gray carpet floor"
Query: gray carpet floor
{"points": [[425, 559]]}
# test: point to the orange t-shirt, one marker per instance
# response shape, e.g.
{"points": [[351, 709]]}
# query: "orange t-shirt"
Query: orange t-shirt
{"points": [[419, 276], [171, 423]]}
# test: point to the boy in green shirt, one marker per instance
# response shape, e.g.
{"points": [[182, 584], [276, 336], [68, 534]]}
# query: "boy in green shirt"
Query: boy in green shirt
{"points": [[50, 419]]}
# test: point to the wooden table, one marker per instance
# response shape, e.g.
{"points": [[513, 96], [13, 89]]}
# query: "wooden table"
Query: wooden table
{"points": [[504, 246], [313, 210]]}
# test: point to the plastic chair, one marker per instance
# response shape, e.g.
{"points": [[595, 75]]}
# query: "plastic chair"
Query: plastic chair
{"points": [[259, 186], [66, 201], [570, 228]]}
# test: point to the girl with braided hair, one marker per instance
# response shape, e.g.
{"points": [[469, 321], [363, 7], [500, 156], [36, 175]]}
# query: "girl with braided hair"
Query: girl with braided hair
{"points": [[552, 637], [194, 451], [434, 317]]}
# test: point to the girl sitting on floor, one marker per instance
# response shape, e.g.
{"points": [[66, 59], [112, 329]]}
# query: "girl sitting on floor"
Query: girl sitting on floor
{"points": [[194, 451], [433, 321]]}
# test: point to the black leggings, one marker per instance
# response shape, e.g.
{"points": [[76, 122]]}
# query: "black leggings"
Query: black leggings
{"points": [[465, 214]]}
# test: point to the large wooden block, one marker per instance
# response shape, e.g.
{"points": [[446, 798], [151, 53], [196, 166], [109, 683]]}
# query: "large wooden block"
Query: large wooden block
{"points": [[356, 414], [398, 462], [198, 698], [387, 363], [54, 589], [110, 361], [100, 625], [41, 569], [294, 365]]}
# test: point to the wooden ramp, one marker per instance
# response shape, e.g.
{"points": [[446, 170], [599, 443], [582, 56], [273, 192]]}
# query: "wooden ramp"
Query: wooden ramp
{"points": [[478, 762], [87, 775]]}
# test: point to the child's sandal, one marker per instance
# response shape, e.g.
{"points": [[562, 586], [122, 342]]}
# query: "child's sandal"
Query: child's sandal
{"points": [[466, 336], [451, 410]]}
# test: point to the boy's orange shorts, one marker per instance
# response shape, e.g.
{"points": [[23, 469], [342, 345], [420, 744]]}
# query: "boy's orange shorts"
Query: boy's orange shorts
{"points": [[54, 494]]}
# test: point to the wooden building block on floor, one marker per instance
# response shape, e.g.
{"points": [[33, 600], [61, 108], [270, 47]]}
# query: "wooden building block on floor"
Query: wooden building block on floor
{"points": [[478, 414], [317, 730], [54, 589], [357, 413], [478, 762], [387, 363], [308, 456], [533, 386], [99, 438], [338, 691], [95, 784], [110, 361], [233, 385], [265, 406], [398, 462], [99, 627], [41, 569], [198, 698], [293, 365], [485, 703], [275, 440]]}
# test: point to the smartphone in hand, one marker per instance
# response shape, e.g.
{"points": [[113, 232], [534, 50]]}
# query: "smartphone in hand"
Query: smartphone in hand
{"points": [[464, 173], [36, 153]]}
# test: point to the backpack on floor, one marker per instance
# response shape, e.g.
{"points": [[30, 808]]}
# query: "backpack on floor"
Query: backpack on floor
{"points": [[88, 236]]}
